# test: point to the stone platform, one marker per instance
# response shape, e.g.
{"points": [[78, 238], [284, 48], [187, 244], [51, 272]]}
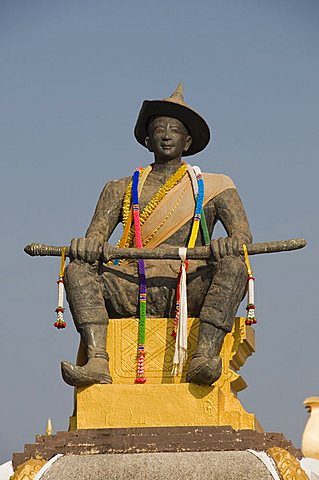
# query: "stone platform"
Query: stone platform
{"points": [[165, 428], [152, 440]]}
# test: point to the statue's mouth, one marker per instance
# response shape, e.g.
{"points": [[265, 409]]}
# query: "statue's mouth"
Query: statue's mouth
{"points": [[166, 147]]}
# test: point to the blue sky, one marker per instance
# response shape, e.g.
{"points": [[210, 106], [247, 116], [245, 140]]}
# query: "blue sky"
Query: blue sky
{"points": [[73, 77]]}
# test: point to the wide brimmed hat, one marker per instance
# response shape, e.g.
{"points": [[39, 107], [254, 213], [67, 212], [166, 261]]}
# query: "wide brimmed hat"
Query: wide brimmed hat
{"points": [[174, 106]]}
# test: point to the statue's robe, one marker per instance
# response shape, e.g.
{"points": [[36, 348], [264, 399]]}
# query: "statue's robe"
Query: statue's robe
{"points": [[169, 224]]}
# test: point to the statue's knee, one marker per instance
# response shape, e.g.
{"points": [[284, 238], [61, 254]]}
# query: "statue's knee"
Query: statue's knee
{"points": [[235, 274], [232, 267], [79, 272], [72, 270], [240, 267], [228, 286]]}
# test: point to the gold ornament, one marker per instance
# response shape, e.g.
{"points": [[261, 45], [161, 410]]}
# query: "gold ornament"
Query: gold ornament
{"points": [[287, 465], [28, 470]]}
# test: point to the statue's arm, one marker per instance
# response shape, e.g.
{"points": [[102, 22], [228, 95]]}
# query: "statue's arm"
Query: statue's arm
{"points": [[108, 210], [230, 211], [106, 217]]}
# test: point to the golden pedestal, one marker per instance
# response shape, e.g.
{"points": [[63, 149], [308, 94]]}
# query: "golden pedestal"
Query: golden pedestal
{"points": [[164, 400]]}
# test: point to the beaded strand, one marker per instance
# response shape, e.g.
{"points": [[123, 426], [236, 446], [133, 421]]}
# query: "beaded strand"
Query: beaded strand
{"points": [[127, 210], [140, 372]]}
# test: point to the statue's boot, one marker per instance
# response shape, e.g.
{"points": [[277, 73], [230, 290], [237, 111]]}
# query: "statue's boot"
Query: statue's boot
{"points": [[206, 365], [96, 370]]}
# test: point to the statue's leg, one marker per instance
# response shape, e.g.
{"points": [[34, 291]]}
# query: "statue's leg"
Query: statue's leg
{"points": [[85, 297], [216, 318]]}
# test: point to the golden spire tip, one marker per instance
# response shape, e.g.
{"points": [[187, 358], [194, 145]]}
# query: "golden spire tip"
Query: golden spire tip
{"points": [[49, 429]]}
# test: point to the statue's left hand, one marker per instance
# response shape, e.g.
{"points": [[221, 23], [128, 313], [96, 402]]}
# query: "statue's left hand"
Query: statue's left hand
{"points": [[224, 246]]}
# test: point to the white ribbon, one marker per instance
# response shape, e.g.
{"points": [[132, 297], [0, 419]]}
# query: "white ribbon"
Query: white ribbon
{"points": [[180, 354], [197, 172], [193, 174]]}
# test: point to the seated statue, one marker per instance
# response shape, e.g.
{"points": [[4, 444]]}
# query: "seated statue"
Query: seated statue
{"points": [[166, 201]]}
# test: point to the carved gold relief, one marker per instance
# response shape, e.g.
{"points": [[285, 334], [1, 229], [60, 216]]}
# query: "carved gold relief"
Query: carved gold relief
{"points": [[28, 469], [160, 345], [287, 465]]}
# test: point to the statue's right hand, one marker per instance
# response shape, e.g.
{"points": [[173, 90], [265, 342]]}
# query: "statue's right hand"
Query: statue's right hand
{"points": [[87, 249]]}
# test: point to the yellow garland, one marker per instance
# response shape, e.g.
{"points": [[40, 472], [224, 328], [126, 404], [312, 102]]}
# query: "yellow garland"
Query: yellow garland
{"points": [[194, 233], [157, 198], [126, 231], [127, 203], [62, 263]]}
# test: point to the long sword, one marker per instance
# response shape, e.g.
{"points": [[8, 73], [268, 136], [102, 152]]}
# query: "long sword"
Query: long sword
{"points": [[171, 253]]}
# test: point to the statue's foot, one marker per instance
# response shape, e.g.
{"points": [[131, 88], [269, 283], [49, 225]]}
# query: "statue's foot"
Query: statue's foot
{"points": [[95, 371], [204, 370]]}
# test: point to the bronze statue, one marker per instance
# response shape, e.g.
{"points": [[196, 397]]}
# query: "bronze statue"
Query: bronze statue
{"points": [[170, 129]]}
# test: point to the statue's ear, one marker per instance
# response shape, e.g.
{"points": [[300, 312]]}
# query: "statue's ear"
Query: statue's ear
{"points": [[148, 144], [188, 143]]}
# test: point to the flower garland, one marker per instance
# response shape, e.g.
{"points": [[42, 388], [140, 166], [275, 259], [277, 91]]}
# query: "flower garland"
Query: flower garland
{"points": [[198, 186], [193, 171], [140, 378], [127, 210], [138, 219], [180, 320], [126, 240], [132, 215]]}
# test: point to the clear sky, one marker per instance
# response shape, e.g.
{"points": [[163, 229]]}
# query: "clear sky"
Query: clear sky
{"points": [[73, 76]]}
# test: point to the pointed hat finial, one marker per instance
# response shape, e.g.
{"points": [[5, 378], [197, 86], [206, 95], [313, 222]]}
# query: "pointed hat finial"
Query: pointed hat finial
{"points": [[179, 92], [177, 96]]}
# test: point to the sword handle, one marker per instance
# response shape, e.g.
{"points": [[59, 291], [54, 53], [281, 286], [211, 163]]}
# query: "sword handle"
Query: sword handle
{"points": [[42, 250]]}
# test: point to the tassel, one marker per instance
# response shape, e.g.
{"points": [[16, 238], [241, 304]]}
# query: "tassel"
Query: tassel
{"points": [[180, 355], [180, 321], [60, 323], [251, 317]]}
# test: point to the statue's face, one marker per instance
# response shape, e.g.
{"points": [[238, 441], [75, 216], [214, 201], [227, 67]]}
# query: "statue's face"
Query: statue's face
{"points": [[167, 138]]}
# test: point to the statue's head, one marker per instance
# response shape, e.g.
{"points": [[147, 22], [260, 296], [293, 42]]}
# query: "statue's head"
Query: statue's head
{"points": [[176, 109], [167, 138]]}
